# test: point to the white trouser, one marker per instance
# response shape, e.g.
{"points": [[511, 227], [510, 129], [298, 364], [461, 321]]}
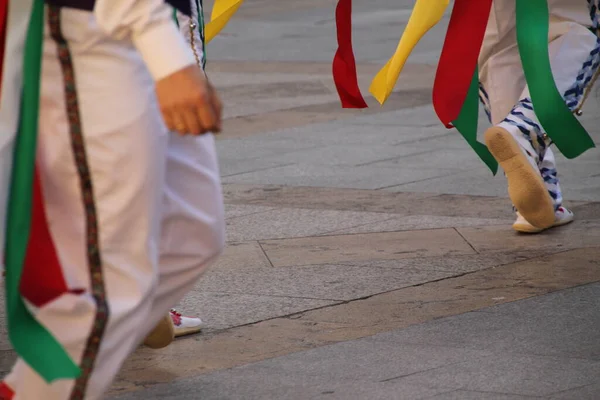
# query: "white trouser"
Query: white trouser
{"points": [[157, 197], [574, 57]]}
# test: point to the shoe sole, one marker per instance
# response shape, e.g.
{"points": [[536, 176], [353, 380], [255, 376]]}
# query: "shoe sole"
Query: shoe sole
{"points": [[179, 332], [526, 228], [162, 335], [525, 186], [532, 229]]}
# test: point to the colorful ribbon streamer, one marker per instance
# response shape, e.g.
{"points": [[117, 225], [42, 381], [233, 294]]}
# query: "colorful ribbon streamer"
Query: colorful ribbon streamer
{"points": [[456, 86], [344, 63], [426, 14], [32, 342], [459, 57], [222, 12], [467, 121], [558, 121]]}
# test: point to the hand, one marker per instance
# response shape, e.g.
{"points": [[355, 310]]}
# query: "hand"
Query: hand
{"points": [[188, 102]]}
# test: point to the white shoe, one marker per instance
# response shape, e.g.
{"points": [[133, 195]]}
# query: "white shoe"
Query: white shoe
{"points": [[562, 216], [162, 335], [185, 325]]}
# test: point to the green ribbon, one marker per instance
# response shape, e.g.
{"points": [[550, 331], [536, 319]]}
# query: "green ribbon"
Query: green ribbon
{"points": [[32, 342], [550, 108], [467, 123]]}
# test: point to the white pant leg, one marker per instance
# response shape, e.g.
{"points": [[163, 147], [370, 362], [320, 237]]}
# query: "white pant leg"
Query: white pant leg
{"points": [[125, 141], [575, 58], [193, 223], [501, 73]]}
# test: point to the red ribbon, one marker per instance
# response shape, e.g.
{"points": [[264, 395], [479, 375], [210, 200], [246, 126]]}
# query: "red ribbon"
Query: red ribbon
{"points": [[344, 64], [458, 60], [42, 279]]}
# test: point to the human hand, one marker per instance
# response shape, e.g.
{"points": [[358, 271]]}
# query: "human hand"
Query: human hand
{"points": [[188, 102]]}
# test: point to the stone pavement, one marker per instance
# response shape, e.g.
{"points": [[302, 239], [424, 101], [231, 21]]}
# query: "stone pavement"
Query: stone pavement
{"points": [[370, 254]]}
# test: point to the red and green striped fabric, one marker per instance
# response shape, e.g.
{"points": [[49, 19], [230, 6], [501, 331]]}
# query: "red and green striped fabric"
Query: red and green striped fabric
{"points": [[26, 229]]}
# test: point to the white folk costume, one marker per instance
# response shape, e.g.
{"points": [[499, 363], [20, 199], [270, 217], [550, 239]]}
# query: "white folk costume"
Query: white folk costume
{"points": [[574, 49], [134, 213], [532, 63]]}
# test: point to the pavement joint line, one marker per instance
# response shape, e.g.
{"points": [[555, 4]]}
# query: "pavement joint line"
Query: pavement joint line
{"points": [[256, 170], [465, 239], [272, 295], [265, 253], [453, 173], [330, 234], [410, 229], [419, 372], [574, 388]]}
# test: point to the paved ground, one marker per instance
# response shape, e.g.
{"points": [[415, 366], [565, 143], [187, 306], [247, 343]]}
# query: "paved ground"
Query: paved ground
{"points": [[370, 253]]}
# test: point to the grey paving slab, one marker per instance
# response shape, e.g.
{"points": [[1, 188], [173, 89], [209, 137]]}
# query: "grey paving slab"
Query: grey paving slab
{"points": [[251, 149], [525, 333], [471, 395], [340, 177], [512, 374], [587, 211], [588, 392], [476, 182], [372, 361], [344, 154], [575, 304], [415, 222], [455, 264], [461, 159], [7, 356], [232, 166], [267, 384], [417, 117], [346, 133], [7, 360], [296, 222], [240, 256], [337, 249], [241, 210], [436, 355], [533, 341], [332, 282], [496, 238], [222, 310]]}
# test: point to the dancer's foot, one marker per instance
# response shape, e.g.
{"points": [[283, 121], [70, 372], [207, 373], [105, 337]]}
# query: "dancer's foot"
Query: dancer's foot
{"points": [[185, 325], [525, 184], [162, 335], [562, 216]]}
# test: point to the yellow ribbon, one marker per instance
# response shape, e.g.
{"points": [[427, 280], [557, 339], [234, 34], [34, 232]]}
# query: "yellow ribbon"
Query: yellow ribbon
{"points": [[425, 15], [222, 12]]}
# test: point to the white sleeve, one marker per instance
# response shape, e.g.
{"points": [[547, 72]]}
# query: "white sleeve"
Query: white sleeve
{"points": [[150, 26]]}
